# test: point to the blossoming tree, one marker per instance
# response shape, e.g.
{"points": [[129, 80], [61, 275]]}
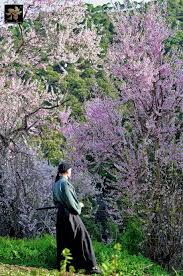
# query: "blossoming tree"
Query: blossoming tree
{"points": [[46, 37], [132, 146]]}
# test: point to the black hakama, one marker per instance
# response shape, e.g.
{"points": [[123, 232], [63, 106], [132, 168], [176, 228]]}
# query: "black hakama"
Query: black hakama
{"points": [[72, 234]]}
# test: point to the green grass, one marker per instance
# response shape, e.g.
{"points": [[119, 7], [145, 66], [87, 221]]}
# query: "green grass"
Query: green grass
{"points": [[15, 270], [38, 257], [38, 252]]}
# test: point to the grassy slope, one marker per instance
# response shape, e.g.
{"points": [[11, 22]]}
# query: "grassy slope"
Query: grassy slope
{"points": [[38, 256], [15, 270]]}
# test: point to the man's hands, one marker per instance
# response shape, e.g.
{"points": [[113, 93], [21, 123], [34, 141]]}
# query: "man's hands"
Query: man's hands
{"points": [[81, 204]]}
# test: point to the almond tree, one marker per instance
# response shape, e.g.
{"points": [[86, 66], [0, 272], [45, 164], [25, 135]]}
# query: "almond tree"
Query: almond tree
{"points": [[45, 38], [27, 181], [49, 36]]}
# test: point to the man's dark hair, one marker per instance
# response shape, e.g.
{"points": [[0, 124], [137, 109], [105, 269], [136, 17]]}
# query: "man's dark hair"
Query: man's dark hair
{"points": [[62, 168]]}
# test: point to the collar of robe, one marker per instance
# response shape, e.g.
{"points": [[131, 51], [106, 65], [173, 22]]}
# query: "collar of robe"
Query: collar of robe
{"points": [[67, 180]]}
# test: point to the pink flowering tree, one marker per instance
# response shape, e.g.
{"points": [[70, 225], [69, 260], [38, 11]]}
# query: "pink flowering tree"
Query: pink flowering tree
{"points": [[132, 147], [45, 38], [91, 149], [27, 183], [151, 83], [52, 32], [23, 116]]}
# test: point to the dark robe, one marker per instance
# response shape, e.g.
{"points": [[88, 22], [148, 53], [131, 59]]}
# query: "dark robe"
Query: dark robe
{"points": [[70, 230]]}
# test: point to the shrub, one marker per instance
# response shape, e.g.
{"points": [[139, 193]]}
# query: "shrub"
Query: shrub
{"points": [[133, 236]]}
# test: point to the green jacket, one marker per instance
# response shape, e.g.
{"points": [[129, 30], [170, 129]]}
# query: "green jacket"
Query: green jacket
{"points": [[64, 192]]}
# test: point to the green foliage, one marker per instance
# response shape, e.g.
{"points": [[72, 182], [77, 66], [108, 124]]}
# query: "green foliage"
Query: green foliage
{"points": [[41, 252], [105, 85], [67, 259], [91, 226], [109, 268], [52, 76], [113, 229], [175, 9], [78, 89], [98, 16], [51, 144], [79, 85], [175, 19], [115, 260], [132, 237]]}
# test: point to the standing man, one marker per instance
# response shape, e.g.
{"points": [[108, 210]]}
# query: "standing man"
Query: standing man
{"points": [[70, 230]]}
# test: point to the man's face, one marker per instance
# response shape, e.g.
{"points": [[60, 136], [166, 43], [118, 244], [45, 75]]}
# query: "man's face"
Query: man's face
{"points": [[69, 172]]}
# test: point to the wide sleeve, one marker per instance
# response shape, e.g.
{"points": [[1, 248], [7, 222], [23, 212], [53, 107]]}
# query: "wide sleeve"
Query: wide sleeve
{"points": [[70, 199]]}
